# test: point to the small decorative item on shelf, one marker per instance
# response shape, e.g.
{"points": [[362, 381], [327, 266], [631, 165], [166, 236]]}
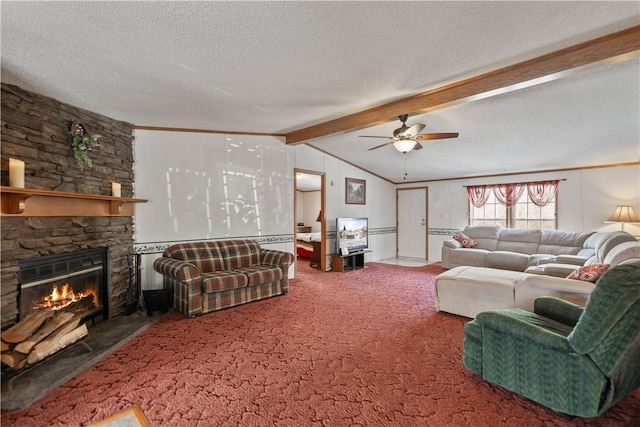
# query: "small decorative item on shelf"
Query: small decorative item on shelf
{"points": [[116, 189], [82, 144], [16, 173]]}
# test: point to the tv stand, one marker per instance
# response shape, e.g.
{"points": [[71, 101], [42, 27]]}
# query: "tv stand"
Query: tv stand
{"points": [[353, 261]]}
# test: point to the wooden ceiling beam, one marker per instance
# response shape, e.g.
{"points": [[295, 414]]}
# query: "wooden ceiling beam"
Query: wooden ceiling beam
{"points": [[621, 45]]}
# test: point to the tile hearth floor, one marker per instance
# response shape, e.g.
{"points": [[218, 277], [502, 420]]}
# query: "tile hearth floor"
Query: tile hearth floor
{"points": [[104, 338]]}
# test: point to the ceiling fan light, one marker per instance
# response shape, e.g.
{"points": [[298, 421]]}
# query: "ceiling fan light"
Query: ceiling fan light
{"points": [[405, 145]]}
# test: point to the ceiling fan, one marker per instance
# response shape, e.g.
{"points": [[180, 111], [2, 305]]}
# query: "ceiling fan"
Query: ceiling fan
{"points": [[406, 138]]}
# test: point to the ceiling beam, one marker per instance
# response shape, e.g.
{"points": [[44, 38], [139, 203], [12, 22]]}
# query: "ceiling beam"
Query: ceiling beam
{"points": [[618, 46]]}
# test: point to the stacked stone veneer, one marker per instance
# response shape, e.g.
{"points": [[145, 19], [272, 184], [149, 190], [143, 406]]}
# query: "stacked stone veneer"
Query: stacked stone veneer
{"points": [[35, 129]]}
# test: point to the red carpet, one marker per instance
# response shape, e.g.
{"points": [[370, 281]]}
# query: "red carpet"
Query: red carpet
{"points": [[360, 348]]}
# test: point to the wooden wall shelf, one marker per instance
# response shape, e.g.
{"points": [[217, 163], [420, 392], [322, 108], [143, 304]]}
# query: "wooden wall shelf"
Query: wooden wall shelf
{"points": [[31, 202]]}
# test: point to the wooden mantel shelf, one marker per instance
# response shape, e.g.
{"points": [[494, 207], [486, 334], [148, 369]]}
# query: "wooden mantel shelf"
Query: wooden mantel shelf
{"points": [[31, 202]]}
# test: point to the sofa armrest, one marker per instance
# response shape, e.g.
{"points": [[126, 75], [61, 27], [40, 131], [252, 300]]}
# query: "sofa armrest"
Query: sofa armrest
{"points": [[511, 325], [554, 269], [558, 284], [571, 259], [451, 243], [276, 258], [177, 269], [186, 281], [558, 309]]}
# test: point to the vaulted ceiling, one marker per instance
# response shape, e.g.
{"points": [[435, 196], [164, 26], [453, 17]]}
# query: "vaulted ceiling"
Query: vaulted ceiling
{"points": [[332, 71]]}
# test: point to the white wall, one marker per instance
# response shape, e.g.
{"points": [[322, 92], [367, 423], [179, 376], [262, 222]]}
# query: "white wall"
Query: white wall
{"points": [[203, 186], [586, 198], [211, 186], [379, 207]]}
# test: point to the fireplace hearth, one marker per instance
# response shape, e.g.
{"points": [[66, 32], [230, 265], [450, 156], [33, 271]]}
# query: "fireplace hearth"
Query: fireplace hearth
{"points": [[104, 338], [74, 282], [79, 281]]}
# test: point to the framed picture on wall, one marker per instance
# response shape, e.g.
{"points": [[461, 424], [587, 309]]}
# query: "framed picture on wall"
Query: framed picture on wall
{"points": [[355, 191]]}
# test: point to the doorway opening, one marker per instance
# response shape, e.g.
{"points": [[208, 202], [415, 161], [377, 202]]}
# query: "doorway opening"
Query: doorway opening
{"points": [[309, 224]]}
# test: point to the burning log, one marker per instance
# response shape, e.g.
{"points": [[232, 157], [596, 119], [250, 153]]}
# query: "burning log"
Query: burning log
{"points": [[64, 299], [81, 306]]}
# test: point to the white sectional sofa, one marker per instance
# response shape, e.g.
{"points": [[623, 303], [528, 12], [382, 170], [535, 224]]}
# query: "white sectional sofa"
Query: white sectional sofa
{"points": [[505, 270], [518, 249], [467, 291], [610, 248]]}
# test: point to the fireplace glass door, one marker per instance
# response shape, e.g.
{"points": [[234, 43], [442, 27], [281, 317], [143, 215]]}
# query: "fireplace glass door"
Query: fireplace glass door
{"points": [[71, 282]]}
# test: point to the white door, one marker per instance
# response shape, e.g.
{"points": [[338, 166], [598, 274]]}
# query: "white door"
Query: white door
{"points": [[412, 222]]}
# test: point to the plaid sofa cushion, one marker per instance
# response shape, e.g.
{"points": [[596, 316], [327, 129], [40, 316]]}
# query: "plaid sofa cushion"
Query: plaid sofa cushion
{"points": [[223, 280], [206, 256], [233, 297], [261, 274], [240, 253]]}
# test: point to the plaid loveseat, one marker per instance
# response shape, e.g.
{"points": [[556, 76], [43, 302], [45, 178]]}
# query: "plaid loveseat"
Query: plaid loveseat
{"points": [[208, 276]]}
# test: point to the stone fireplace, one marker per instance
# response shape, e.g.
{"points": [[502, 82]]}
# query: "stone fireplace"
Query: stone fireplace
{"points": [[35, 129], [74, 282]]}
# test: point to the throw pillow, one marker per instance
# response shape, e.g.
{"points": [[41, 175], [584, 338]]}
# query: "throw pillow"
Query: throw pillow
{"points": [[465, 241], [589, 273]]}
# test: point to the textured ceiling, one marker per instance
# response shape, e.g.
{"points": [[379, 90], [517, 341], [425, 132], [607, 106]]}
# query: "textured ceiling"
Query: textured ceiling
{"points": [[281, 66]]}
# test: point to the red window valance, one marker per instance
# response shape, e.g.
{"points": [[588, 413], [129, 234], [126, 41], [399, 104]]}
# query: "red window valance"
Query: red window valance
{"points": [[541, 193]]}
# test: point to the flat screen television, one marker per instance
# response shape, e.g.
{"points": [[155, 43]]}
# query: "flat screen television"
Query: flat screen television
{"points": [[352, 233]]}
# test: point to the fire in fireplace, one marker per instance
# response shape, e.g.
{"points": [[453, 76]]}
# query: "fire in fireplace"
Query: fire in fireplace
{"points": [[73, 282], [62, 298]]}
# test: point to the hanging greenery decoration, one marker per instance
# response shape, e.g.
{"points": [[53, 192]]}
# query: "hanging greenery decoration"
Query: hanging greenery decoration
{"points": [[82, 144]]}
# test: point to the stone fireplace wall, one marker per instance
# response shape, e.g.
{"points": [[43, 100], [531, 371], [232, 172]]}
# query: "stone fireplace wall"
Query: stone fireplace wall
{"points": [[35, 129]]}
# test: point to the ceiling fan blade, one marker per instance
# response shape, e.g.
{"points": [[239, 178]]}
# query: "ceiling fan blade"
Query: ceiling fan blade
{"points": [[380, 146], [414, 130], [369, 136], [418, 146], [444, 135]]}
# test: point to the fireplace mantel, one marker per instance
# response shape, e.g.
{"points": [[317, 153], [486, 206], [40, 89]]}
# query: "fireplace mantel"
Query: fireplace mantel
{"points": [[32, 202]]}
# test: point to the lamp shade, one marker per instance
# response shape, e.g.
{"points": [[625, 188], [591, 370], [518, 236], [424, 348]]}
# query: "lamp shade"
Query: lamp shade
{"points": [[405, 145], [624, 214]]}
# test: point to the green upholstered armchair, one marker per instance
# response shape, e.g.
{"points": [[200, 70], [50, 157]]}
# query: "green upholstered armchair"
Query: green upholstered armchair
{"points": [[577, 361]]}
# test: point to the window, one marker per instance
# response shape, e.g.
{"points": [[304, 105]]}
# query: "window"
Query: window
{"points": [[523, 214], [491, 213], [526, 214]]}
